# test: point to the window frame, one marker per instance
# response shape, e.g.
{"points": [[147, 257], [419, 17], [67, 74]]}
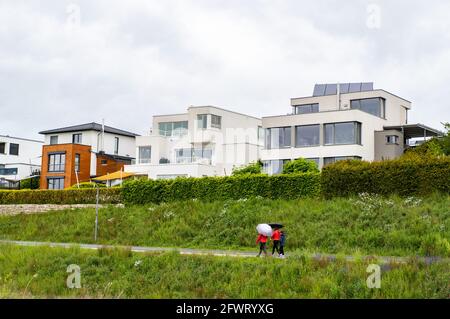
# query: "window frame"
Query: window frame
{"points": [[60, 183], [11, 146], [268, 140], [382, 106], [51, 167], [77, 162], [116, 145], [140, 156], [309, 145], [396, 139], [78, 137], [313, 108], [53, 137], [357, 130], [215, 125], [203, 120]]}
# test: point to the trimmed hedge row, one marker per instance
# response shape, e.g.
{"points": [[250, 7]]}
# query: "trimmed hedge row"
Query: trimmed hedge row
{"points": [[68, 196], [221, 188], [404, 177]]}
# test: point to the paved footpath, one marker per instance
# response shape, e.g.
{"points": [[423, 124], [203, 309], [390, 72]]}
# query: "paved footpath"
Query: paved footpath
{"points": [[227, 253]]}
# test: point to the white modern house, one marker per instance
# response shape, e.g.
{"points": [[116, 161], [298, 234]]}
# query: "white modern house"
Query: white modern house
{"points": [[340, 121], [19, 158], [80, 152], [204, 141]]}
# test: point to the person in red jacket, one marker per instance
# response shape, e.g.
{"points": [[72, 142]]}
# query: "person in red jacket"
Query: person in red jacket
{"points": [[262, 240], [276, 241]]}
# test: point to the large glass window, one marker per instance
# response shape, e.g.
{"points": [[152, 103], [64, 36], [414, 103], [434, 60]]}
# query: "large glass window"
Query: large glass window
{"points": [[8, 171], [76, 138], [306, 108], [202, 121], [13, 149], [56, 162], [274, 167], [374, 106], [331, 160], [192, 155], [2, 148], [145, 154], [55, 183], [216, 121], [77, 162], [54, 140], [307, 135], [343, 133], [173, 128], [278, 137]]}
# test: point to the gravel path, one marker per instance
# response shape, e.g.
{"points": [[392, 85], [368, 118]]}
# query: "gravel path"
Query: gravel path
{"points": [[384, 260], [36, 209]]}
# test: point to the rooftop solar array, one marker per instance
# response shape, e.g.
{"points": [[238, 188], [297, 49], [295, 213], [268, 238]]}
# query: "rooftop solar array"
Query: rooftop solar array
{"points": [[331, 89]]}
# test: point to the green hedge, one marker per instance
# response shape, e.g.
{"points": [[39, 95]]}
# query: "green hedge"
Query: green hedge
{"points": [[405, 177], [68, 196], [220, 188]]}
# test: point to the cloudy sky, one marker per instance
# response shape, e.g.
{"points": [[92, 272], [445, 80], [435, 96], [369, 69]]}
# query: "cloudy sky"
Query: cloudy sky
{"points": [[73, 62]]}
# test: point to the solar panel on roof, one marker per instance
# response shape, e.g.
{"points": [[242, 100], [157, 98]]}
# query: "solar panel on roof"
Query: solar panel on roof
{"points": [[343, 87], [319, 89], [331, 88], [354, 87], [368, 86]]}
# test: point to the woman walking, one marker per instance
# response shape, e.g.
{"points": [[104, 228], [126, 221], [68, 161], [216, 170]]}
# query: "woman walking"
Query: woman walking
{"points": [[276, 241], [262, 240]]}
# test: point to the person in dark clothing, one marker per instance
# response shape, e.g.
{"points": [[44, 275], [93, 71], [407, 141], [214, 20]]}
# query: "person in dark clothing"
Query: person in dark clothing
{"points": [[262, 240], [276, 241], [282, 243]]}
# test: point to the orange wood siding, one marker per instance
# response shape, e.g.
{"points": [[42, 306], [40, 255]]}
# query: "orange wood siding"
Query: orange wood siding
{"points": [[69, 172]]}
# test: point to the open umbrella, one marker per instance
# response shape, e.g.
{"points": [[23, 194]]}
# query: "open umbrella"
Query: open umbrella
{"points": [[264, 229], [276, 225]]}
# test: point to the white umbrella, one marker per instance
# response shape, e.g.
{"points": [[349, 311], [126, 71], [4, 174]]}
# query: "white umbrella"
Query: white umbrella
{"points": [[264, 229]]}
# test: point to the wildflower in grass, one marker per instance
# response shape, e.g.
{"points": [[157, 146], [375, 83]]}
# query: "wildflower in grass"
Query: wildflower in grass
{"points": [[168, 215], [137, 263]]}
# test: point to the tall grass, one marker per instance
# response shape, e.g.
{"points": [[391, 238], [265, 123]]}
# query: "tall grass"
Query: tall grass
{"points": [[41, 273], [365, 225]]}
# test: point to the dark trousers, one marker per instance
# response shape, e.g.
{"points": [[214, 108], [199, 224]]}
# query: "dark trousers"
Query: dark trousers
{"points": [[276, 245], [281, 250], [262, 247]]}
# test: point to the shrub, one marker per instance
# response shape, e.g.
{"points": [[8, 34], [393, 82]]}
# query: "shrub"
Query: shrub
{"points": [[69, 196], [252, 168], [300, 165], [87, 185], [221, 188], [30, 183], [404, 176]]}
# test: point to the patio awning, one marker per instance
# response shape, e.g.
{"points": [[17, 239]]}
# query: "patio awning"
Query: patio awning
{"points": [[113, 176], [415, 130]]}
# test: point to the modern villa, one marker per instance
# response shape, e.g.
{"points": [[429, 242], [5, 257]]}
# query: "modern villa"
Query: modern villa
{"points": [[204, 141], [78, 153], [20, 158], [341, 121]]}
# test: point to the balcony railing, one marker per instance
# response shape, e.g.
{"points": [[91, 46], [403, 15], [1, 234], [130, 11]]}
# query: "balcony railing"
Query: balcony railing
{"points": [[174, 133]]}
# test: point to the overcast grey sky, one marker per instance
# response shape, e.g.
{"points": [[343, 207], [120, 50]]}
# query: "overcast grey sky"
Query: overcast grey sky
{"points": [[73, 62]]}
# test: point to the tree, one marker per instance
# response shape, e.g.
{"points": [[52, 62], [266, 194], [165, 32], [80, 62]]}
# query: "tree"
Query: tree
{"points": [[252, 168], [300, 165]]}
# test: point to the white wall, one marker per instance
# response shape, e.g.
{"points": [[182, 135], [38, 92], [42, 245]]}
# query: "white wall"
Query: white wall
{"points": [[29, 151], [94, 139], [329, 113], [235, 144]]}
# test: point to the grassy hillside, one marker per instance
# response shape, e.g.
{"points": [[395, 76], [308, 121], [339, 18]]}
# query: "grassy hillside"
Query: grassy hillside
{"points": [[368, 225], [41, 272]]}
